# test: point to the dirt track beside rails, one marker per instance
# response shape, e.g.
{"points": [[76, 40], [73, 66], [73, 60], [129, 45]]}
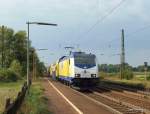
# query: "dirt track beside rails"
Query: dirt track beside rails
{"points": [[58, 105]]}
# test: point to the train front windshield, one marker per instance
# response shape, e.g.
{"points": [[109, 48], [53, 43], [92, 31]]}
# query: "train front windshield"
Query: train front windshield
{"points": [[85, 60]]}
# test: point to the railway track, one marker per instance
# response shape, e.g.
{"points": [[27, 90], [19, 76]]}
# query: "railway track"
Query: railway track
{"points": [[135, 95], [113, 103], [137, 103], [125, 92], [120, 102]]}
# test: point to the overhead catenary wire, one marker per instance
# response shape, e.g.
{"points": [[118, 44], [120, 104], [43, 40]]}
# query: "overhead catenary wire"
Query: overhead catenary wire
{"points": [[118, 38], [138, 30], [129, 34], [103, 18]]}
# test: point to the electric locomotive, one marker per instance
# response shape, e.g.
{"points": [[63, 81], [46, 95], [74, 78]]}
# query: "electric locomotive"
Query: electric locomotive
{"points": [[79, 69]]}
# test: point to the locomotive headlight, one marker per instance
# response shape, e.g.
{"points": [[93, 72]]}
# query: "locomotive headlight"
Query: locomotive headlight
{"points": [[77, 75], [93, 75]]}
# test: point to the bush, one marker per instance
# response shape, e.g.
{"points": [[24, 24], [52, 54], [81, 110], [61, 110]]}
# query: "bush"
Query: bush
{"points": [[115, 74], [16, 67], [128, 74], [148, 77], [102, 74], [8, 75]]}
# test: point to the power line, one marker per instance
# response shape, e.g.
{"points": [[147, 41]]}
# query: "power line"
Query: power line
{"points": [[138, 30], [104, 17], [130, 34]]}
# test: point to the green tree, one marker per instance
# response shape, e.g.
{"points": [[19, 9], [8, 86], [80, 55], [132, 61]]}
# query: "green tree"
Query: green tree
{"points": [[8, 75], [20, 48], [128, 74], [14, 49], [6, 45], [16, 67]]}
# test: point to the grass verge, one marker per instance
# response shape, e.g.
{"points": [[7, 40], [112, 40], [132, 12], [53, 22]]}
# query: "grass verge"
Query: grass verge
{"points": [[35, 101], [130, 82], [8, 90]]}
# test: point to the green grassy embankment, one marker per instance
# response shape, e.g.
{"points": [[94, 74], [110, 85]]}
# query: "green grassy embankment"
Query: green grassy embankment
{"points": [[35, 102], [139, 78], [8, 90]]}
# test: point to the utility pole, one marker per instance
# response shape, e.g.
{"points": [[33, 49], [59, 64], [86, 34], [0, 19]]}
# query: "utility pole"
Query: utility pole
{"points": [[122, 56], [28, 55], [34, 68], [28, 46], [2, 46], [145, 68]]}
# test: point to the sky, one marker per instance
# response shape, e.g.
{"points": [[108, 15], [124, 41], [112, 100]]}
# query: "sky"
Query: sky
{"points": [[75, 18]]}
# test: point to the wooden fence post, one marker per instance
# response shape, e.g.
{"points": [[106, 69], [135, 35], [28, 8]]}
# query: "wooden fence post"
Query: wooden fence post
{"points": [[12, 108], [7, 103]]}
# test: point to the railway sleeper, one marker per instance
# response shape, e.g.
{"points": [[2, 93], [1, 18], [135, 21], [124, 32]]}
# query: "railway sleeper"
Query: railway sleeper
{"points": [[124, 104]]}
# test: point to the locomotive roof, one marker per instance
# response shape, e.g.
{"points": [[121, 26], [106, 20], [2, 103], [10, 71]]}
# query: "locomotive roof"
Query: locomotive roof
{"points": [[73, 54]]}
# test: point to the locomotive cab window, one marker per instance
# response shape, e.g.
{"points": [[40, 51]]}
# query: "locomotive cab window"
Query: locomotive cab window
{"points": [[85, 59]]}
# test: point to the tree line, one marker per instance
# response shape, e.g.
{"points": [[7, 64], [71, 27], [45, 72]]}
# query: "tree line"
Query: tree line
{"points": [[114, 68], [13, 55]]}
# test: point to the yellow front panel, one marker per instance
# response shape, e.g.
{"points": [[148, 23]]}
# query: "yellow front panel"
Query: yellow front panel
{"points": [[64, 68], [57, 69], [71, 67]]}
